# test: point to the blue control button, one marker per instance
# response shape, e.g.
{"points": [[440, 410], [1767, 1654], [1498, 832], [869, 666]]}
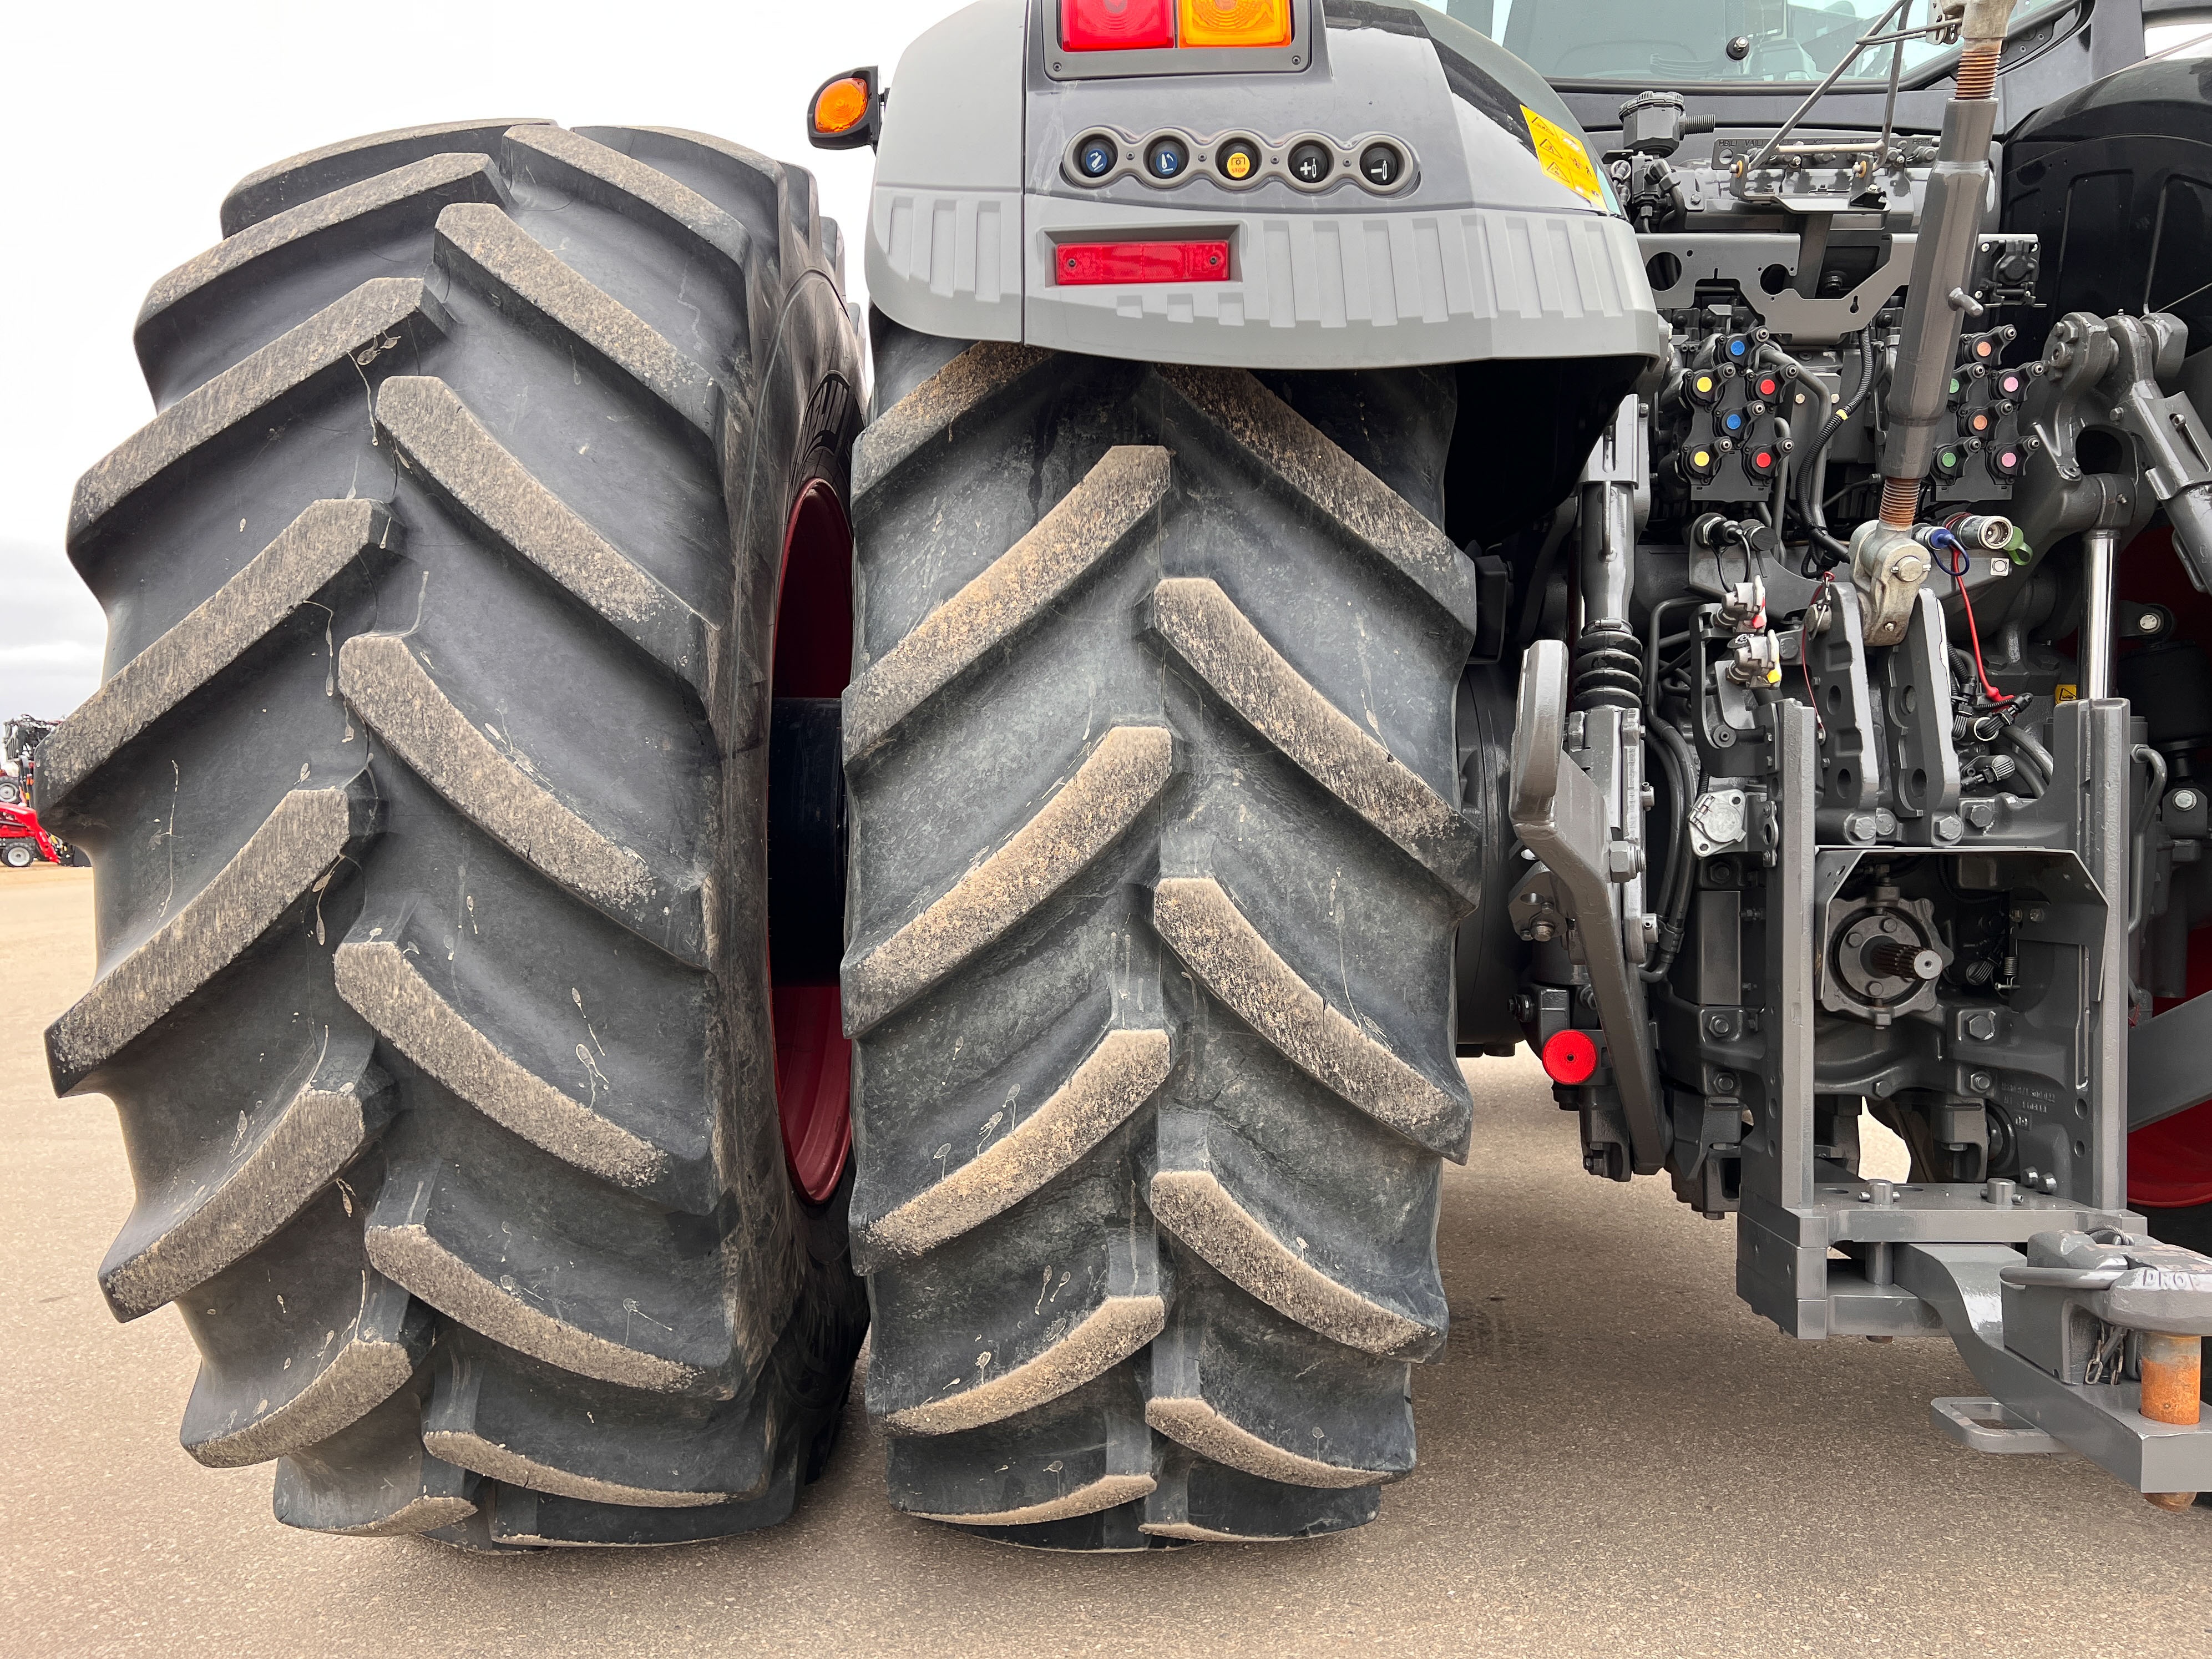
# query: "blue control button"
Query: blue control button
{"points": [[1167, 158], [1095, 159]]}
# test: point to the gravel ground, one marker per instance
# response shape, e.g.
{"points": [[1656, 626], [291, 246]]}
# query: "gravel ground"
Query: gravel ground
{"points": [[1616, 1458]]}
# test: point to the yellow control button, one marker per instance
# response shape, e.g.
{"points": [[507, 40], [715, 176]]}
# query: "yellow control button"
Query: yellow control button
{"points": [[1236, 164]]}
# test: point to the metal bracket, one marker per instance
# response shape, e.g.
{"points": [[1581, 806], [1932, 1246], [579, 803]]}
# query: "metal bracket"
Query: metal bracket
{"points": [[1924, 769], [1984, 1425], [2107, 372], [1849, 798], [2166, 1071], [1887, 567], [1561, 816]]}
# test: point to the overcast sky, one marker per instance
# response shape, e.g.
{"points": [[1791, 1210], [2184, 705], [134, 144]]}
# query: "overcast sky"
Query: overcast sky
{"points": [[131, 120]]}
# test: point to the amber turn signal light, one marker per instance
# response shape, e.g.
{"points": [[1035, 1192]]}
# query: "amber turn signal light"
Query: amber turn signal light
{"points": [[846, 112], [1235, 22]]}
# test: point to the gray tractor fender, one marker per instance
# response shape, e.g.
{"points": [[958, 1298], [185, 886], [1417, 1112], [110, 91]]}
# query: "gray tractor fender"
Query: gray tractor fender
{"points": [[1480, 251]]}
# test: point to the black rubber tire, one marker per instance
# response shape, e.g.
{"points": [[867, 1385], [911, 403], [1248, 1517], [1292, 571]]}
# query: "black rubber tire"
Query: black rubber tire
{"points": [[427, 800], [17, 854], [1157, 854]]}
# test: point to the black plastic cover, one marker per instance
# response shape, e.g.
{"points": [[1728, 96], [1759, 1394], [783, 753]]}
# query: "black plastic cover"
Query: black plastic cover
{"points": [[2117, 181]]}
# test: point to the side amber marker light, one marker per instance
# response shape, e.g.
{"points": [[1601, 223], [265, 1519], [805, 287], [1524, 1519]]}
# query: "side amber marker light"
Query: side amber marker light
{"points": [[845, 112], [1235, 23], [842, 105]]}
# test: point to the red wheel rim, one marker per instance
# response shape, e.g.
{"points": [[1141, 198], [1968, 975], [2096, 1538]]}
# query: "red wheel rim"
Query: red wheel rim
{"points": [[813, 656]]}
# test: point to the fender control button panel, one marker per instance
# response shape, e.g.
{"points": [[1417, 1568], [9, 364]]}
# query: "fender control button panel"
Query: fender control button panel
{"points": [[1308, 163]]}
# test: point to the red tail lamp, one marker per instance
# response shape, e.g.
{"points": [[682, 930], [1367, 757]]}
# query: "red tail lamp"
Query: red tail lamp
{"points": [[1143, 25], [1570, 1057], [1087, 265], [1116, 25]]}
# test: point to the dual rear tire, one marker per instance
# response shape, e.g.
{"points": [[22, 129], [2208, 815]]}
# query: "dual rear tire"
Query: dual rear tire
{"points": [[498, 712], [1158, 852], [428, 794]]}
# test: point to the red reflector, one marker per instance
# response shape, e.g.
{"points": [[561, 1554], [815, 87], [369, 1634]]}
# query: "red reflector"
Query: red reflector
{"points": [[1570, 1057], [1116, 25], [1079, 265]]}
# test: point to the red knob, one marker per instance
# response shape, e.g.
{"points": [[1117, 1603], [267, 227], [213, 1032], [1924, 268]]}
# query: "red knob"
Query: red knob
{"points": [[1570, 1057]]}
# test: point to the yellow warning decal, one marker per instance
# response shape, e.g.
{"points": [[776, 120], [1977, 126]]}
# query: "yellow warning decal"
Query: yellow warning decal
{"points": [[2066, 693], [1560, 153]]}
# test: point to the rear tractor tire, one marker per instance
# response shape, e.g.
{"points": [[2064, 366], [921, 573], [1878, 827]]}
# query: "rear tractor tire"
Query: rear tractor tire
{"points": [[474, 600], [1158, 851]]}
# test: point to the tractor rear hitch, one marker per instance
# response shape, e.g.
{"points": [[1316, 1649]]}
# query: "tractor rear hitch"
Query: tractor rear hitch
{"points": [[2092, 1343]]}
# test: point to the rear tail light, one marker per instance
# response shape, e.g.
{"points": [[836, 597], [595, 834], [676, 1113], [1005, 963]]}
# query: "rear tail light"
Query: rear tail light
{"points": [[1139, 25], [1235, 22], [1087, 265], [1116, 25]]}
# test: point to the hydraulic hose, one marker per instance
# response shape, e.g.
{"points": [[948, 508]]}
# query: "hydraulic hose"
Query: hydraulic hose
{"points": [[1674, 895], [2039, 765], [1812, 472]]}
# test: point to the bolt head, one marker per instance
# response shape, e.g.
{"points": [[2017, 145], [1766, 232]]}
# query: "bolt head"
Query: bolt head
{"points": [[1724, 1083], [2148, 622], [1981, 1082], [2185, 800], [1981, 1027]]}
